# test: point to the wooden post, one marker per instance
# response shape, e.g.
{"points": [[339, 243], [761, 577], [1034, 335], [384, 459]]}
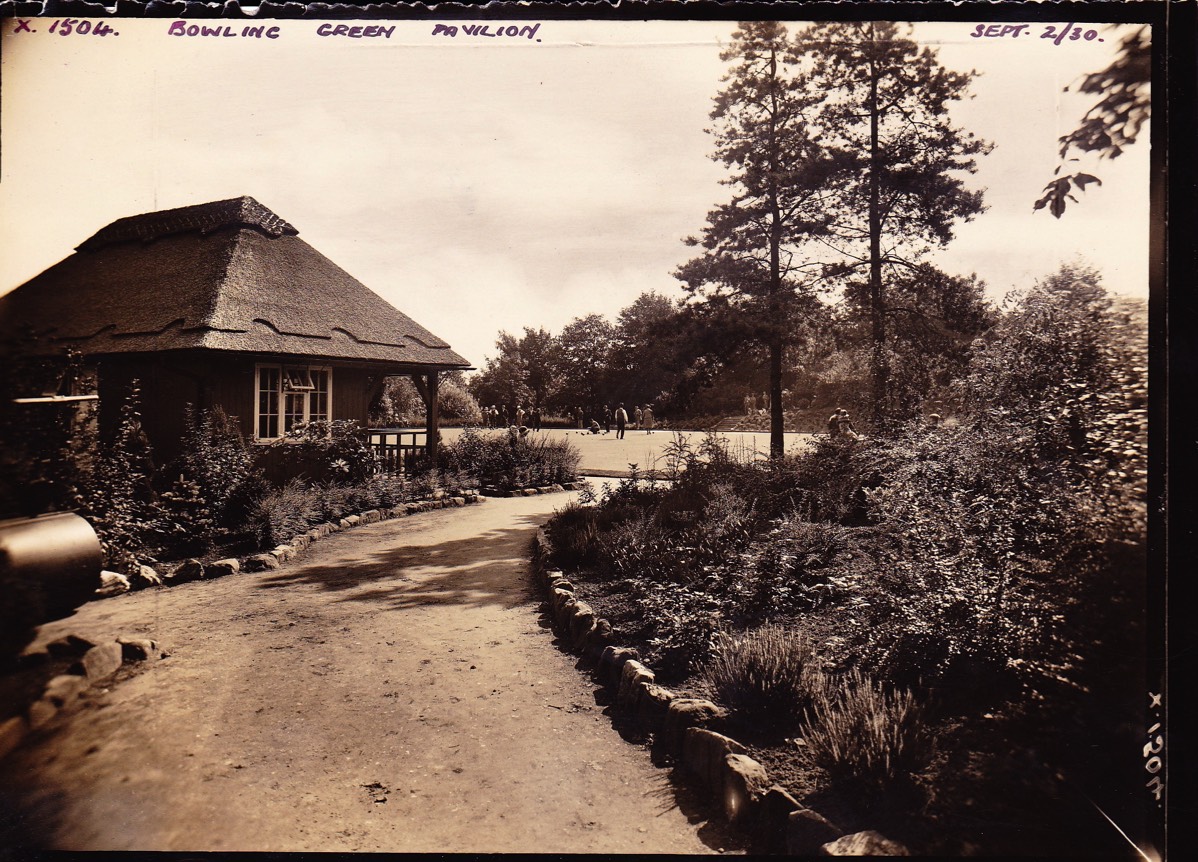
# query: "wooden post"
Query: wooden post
{"points": [[432, 422]]}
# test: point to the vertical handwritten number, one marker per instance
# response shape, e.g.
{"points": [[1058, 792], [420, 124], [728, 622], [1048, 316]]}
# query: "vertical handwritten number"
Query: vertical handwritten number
{"points": [[1154, 746], [1156, 786], [54, 25]]}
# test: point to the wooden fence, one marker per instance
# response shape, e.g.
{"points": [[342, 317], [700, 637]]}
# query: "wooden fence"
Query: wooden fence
{"points": [[399, 450]]}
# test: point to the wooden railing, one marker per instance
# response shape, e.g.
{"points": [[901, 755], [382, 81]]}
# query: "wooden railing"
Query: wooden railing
{"points": [[399, 449]]}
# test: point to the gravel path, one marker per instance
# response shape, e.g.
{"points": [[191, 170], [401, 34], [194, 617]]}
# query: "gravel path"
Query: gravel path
{"points": [[393, 691]]}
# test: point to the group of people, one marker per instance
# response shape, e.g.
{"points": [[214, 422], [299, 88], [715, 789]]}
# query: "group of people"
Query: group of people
{"points": [[493, 417], [641, 417]]}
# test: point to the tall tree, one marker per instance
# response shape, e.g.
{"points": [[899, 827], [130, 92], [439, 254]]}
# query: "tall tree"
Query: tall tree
{"points": [[583, 351], [642, 352], [885, 114], [751, 261]]}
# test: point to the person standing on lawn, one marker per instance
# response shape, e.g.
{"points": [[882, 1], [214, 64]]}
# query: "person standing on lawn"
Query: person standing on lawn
{"points": [[621, 421], [647, 418], [638, 416]]}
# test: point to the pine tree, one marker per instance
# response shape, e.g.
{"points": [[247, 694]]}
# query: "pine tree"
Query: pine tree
{"points": [[884, 117], [752, 257]]}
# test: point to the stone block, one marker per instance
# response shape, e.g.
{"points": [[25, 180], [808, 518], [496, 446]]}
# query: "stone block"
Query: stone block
{"points": [[652, 706], [145, 577], [344, 523], [687, 712], [371, 516], [12, 732], [188, 570], [260, 563], [556, 487], [868, 843], [100, 662], [69, 646], [581, 628], [315, 535], [113, 584], [64, 688], [559, 597], [633, 677], [611, 663], [807, 832], [745, 783], [353, 520], [565, 612], [458, 501], [703, 754], [222, 568], [774, 810], [283, 553], [40, 713], [300, 543], [597, 640], [140, 649], [328, 528]]}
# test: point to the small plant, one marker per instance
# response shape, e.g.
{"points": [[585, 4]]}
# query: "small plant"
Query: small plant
{"points": [[285, 512], [764, 676], [867, 737]]}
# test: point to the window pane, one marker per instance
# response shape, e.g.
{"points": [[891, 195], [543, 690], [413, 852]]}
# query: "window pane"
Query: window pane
{"points": [[268, 403], [293, 409], [319, 397]]}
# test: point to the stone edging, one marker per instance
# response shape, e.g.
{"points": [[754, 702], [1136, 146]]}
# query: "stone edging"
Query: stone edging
{"points": [[115, 584], [690, 729], [96, 663], [531, 490]]}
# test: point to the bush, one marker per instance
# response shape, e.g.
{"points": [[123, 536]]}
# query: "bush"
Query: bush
{"points": [[763, 676], [339, 451], [285, 512], [506, 460], [212, 472], [117, 497], [869, 739]]}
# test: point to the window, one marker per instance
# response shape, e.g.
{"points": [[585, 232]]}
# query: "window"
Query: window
{"points": [[290, 395]]}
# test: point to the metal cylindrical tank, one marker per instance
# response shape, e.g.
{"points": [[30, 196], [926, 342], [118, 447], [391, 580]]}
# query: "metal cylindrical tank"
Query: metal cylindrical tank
{"points": [[49, 565]]}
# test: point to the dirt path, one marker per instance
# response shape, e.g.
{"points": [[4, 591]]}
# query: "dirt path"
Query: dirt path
{"points": [[394, 691]]}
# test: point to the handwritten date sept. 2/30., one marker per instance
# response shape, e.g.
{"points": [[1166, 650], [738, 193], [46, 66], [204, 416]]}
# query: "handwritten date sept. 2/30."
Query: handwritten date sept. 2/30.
{"points": [[1055, 32]]}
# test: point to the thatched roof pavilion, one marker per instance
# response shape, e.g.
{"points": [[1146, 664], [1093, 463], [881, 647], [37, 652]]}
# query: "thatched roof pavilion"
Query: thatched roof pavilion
{"points": [[223, 303]]}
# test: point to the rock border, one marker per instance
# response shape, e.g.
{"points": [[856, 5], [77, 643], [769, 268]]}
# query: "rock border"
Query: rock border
{"points": [[531, 490], [116, 584], [95, 664], [691, 729]]}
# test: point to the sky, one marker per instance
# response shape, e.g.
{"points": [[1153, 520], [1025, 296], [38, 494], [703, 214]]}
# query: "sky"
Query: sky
{"points": [[481, 184]]}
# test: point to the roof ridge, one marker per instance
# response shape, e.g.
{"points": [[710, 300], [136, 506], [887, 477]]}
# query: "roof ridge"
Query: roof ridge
{"points": [[205, 218]]}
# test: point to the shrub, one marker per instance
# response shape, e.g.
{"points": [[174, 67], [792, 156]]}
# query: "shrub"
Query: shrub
{"points": [[118, 497], [211, 472], [868, 738], [507, 460], [285, 512], [339, 450], [763, 676]]}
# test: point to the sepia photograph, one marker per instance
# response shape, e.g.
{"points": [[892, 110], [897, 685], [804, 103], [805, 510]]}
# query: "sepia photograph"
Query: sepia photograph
{"points": [[624, 433]]}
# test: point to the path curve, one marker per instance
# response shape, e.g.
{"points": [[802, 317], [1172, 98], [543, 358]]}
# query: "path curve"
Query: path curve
{"points": [[395, 690]]}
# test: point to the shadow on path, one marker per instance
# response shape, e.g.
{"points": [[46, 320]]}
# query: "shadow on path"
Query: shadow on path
{"points": [[485, 569]]}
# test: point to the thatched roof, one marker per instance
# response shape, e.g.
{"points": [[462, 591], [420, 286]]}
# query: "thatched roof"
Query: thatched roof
{"points": [[227, 275]]}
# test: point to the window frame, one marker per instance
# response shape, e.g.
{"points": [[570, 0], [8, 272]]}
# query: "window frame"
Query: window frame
{"points": [[284, 371]]}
